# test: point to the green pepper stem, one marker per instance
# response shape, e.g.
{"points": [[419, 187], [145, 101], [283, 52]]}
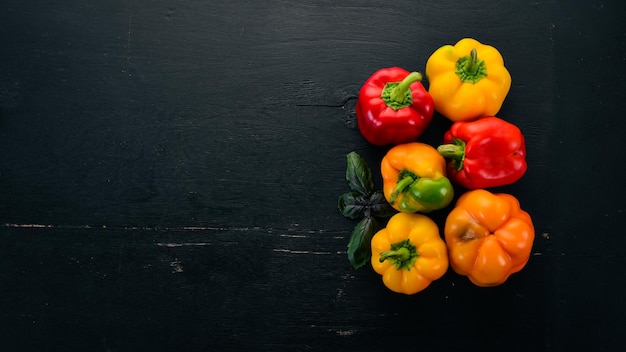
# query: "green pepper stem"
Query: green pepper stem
{"points": [[451, 151], [455, 152], [472, 64], [400, 187], [471, 69], [399, 92], [401, 254]]}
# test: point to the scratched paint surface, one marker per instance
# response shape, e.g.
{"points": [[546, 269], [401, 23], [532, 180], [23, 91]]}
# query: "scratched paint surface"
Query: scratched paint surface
{"points": [[169, 174]]}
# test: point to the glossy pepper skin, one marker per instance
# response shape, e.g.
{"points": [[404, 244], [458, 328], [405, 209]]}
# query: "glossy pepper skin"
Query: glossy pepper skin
{"points": [[467, 80], [488, 152], [393, 107], [414, 178], [488, 237], [409, 253]]}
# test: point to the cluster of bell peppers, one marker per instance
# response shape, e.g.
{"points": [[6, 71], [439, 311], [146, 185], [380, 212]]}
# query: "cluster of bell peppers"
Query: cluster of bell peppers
{"points": [[487, 236]]}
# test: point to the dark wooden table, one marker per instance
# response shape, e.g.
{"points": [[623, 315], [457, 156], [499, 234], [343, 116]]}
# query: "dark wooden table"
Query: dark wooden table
{"points": [[169, 172]]}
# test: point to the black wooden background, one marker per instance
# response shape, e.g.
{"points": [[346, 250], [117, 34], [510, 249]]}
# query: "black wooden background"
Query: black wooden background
{"points": [[169, 172]]}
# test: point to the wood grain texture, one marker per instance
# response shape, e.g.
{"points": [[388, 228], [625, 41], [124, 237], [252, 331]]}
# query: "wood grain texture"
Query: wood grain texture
{"points": [[255, 289], [169, 172]]}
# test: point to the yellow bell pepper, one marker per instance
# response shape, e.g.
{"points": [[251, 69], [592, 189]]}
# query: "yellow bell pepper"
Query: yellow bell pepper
{"points": [[409, 253], [468, 80]]}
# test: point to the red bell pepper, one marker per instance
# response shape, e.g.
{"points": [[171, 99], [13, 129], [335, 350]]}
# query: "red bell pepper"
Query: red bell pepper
{"points": [[488, 152], [393, 107]]}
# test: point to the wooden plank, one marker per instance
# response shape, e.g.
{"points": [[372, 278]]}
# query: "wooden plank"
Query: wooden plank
{"points": [[128, 288]]}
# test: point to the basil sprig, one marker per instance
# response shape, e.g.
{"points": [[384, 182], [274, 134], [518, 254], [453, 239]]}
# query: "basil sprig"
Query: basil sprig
{"points": [[364, 203]]}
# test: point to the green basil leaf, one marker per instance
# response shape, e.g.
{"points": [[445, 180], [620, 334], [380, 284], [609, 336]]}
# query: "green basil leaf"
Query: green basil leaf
{"points": [[359, 175], [379, 206], [352, 205], [360, 246]]}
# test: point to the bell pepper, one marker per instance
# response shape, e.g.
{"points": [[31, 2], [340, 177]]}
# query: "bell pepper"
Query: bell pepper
{"points": [[467, 80], [485, 153], [488, 237], [414, 178], [393, 107], [409, 253]]}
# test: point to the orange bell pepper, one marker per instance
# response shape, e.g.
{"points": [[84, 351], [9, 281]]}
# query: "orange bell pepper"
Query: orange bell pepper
{"points": [[414, 178], [488, 237], [409, 253]]}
